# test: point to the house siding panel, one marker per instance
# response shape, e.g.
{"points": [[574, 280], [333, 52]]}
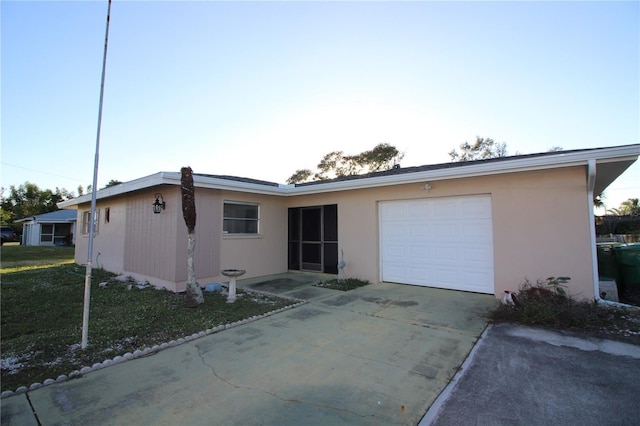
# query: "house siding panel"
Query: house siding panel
{"points": [[265, 253], [150, 239], [208, 236], [108, 243]]}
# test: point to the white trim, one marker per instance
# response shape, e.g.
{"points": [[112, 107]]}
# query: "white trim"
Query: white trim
{"points": [[514, 165]]}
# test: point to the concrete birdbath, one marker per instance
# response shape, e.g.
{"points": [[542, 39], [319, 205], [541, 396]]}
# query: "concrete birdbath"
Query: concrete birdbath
{"points": [[232, 274]]}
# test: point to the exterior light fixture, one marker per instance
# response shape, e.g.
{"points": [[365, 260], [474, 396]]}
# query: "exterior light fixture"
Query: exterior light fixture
{"points": [[159, 204], [426, 187]]}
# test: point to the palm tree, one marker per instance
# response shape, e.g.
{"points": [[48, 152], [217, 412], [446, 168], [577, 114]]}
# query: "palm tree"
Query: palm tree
{"points": [[194, 292], [631, 207]]}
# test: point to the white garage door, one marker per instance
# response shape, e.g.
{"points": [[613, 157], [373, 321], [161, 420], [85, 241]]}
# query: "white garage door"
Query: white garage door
{"points": [[438, 242]]}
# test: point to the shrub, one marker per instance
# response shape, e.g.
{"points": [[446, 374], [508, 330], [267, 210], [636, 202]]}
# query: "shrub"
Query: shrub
{"points": [[343, 284], [546, 303]]}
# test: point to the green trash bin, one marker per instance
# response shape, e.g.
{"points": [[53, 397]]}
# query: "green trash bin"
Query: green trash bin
{"points": [[607, 263], [628, 259]]}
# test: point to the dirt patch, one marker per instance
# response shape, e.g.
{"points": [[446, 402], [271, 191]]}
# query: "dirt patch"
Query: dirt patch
{"points": [[278, 285], [630, 295], [306, 313]]}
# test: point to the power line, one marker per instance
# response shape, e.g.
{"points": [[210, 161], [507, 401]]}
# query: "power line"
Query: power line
{"points": [[40, 171]]}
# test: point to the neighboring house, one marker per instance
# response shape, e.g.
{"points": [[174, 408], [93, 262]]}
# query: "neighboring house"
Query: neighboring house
{"points": [[481, 226], [55, 228]]}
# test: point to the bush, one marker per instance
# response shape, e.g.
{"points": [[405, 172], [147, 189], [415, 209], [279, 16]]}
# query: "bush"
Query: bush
{"points": [[343, 285], [546, 303]]}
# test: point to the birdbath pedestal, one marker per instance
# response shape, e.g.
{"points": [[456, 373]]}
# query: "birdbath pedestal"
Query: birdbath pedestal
{"points": [[232, 274]]}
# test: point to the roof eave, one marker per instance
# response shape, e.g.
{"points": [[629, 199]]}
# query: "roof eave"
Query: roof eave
{"points": [[562, 159], [628, 153], [237, 186], [172, 178], [123, 188]]}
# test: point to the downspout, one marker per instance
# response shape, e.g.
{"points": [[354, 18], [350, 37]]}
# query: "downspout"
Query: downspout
{"points": [[591, 183]]}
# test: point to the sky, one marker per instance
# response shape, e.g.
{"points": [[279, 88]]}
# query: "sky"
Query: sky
{"points": [[261, 89]]}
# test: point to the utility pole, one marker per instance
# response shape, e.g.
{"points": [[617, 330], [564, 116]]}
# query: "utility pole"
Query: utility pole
{"points": [[92, 215]]}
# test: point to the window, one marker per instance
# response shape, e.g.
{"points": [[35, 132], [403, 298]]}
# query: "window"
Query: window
{"points": [[240, 218], [86, 219], [107, 214], [46, 233]]}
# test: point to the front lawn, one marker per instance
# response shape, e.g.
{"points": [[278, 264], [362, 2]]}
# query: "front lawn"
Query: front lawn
{"points": [[15, 257], [42, 304]]}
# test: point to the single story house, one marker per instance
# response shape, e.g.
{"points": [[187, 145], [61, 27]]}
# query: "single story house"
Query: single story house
{"points": [[47, 229], [481, 226]]}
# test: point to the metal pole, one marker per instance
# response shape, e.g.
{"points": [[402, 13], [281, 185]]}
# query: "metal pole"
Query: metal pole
{"points": [[92, 216]]}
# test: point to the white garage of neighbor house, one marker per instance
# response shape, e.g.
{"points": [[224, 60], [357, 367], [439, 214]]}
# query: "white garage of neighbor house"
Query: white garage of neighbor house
{"points": [[481, 226], [47, 229]]}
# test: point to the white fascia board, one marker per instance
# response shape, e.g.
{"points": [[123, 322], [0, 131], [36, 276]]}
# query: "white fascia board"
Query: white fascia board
{"points": [[232, 185], [161, 178], [199, 181], [172, 178]]}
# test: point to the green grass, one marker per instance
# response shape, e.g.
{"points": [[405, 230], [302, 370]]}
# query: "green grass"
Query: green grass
{"points": [[17, 258], [343, 285], [42, 304]]}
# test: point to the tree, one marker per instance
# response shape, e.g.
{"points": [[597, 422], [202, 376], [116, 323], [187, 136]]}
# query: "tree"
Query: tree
{"points": [[81, 190], [300, 175], [630, 207], [336, 164], [382, 157], [482, 149], [29, 200], [194, 292], [112, 182]]}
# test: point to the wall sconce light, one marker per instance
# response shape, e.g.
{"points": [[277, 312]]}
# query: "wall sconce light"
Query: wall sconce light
{"points": [[159, 204], [426, 187]]}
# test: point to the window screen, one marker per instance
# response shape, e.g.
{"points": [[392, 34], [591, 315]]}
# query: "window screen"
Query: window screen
{"points": [[240, 218]]}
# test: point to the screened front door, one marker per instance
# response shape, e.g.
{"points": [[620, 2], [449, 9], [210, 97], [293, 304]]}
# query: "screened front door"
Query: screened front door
{"points": [[313, 238]]}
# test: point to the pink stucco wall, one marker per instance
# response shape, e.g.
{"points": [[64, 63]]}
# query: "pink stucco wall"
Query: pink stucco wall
{"points": [[540, 229]]}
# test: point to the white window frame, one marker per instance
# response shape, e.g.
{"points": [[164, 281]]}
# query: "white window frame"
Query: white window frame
{"points": [[85, 222], [241, 219]]}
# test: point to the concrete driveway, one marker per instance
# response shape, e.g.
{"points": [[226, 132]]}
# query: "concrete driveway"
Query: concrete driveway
{"points": [[380, 354]]}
